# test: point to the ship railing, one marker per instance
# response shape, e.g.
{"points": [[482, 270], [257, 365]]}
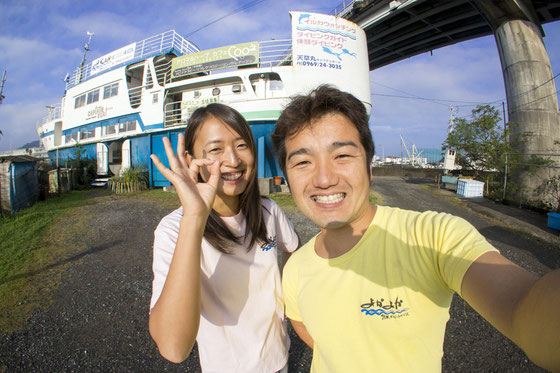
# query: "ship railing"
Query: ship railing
{"points": [[344, 8], [55, 112], [163, 73], [178, 112], [275, 53], [135, 96], [271, 53], [173, 114], [143, 49]]}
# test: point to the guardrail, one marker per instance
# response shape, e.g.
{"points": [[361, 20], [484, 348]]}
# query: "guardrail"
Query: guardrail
{"points": [[344, 8], [275, 53], [143, 49], [55, 112]]}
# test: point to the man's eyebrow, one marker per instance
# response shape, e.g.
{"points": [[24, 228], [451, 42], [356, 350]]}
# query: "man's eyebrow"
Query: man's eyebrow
{"points": [[340, 144], [298, 152], [335, 145]]}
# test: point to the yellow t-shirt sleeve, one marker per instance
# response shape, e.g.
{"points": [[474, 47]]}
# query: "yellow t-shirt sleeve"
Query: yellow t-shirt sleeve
{"points": [[289, 288], [459, 245]]}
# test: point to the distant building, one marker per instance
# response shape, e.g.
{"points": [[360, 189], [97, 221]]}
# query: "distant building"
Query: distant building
{"points": [[432, 155], [449, 162]]}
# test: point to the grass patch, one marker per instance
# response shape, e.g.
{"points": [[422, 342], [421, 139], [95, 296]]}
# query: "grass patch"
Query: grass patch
{"points": [[168, 199], [21, 233], [38, 243], [444, 193], [285, 201], [27, 256]]}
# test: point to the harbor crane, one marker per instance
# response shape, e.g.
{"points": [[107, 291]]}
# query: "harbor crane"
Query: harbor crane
{"points": [[414, 156]]}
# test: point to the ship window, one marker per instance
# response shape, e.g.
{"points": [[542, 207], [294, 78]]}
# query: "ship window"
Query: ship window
{"points": [[93, 96], [87, 134], [72, 136], [276, 85], [127, 126], [80, 101], [110, 90], [117, 156], [111, 130], [154, 98]]}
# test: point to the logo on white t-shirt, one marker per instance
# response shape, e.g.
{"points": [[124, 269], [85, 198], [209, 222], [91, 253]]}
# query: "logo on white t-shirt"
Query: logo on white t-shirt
{"points": [[270, 245]]}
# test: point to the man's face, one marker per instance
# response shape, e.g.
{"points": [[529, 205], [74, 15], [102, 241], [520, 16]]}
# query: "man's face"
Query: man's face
{"points": [[326, 169]]}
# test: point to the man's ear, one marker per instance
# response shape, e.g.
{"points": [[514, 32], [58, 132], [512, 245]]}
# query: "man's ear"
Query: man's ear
{"points": [[370, 174]]}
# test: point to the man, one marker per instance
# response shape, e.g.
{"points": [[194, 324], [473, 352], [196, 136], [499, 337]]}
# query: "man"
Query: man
{"points": [[371, 292]]}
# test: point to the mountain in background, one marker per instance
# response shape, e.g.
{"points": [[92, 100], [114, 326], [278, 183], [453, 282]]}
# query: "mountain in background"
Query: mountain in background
{"points": [[32, 144]]}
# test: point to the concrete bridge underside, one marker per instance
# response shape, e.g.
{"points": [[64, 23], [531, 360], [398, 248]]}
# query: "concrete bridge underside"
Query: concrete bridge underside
{"points": [[400, 29]]}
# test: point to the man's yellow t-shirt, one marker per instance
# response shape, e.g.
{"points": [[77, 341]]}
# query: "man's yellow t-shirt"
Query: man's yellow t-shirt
{"points": [[383, 305]]}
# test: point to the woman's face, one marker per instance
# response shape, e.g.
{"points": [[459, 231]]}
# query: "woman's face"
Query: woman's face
{"points": [[216, 140]]}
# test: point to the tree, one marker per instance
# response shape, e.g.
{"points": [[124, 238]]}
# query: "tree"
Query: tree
{"points": [[480, 142]]}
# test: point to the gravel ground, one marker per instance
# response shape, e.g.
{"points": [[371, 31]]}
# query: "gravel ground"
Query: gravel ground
{"points": [[98, 321]]}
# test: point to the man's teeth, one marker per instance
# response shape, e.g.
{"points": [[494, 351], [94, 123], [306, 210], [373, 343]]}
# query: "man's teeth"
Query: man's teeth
{"points": [[333, 198], [232, 176]]}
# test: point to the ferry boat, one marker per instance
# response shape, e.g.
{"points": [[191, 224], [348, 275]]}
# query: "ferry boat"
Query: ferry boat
{"points": [[118, 108]]}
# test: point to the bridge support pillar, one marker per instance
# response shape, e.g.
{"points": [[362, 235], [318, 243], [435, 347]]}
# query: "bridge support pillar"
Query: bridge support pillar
{"points": [[532, 109]]}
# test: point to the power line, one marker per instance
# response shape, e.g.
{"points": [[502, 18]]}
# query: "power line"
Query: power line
{"points": [[240, 9], [434, 100], [465, 103], [537, 87], [407, 93]]}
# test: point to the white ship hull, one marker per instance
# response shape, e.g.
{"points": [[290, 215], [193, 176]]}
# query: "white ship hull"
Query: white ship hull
{"points": [[117, 108]]}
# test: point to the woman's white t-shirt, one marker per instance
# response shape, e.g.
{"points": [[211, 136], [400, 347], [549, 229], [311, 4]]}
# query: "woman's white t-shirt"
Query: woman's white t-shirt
{"points": [[242, 327]]}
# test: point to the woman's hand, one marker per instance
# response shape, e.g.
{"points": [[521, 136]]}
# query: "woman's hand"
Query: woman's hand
{"points": [[196, 197]]}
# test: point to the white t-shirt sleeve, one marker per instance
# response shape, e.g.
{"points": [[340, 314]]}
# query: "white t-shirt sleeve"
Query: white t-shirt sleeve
{"points": [[165, 240], [286, 236]]}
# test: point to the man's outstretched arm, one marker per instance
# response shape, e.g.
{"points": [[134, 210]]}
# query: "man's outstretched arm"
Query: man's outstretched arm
{"points": [[302, 332], [521, 306]]}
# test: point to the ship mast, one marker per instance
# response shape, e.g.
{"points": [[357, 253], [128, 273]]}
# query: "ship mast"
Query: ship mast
{"points": [[2, 87], [86, 49]]}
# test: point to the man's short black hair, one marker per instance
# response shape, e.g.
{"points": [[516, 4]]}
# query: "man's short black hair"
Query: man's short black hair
{"points": [[305, 109]]}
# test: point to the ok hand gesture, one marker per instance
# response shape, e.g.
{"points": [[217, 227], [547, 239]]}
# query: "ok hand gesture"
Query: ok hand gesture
{"points": [[196, 197]]}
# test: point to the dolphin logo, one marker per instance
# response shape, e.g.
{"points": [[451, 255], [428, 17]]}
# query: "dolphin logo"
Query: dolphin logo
{"points": [[327, 50], [303, 16]]}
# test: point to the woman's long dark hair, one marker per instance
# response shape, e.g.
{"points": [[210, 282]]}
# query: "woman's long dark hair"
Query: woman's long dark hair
{"points": [[216, 231]]}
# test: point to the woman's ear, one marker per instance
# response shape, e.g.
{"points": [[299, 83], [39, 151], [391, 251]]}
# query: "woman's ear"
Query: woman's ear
{"points": [[188, 157]]}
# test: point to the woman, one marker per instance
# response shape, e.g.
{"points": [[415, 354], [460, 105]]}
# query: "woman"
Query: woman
{"points": [[216, 275]]}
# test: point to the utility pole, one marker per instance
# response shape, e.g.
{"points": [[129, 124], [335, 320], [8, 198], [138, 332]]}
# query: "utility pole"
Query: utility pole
{"points": [[86, 49], [451, 119], [449, 157], [2, 87]]}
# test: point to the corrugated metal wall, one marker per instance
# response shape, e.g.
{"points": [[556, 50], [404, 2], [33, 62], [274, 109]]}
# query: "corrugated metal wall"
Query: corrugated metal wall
{"points": [[5, 187], [19, 184]]}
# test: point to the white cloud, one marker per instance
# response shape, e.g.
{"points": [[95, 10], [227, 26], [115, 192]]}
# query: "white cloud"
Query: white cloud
{"points": [[111, 30], [31, 66], [17, 123]]}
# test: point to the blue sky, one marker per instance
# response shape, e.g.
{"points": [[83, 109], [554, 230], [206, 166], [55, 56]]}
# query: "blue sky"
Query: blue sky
{"points": [[42, 41]]}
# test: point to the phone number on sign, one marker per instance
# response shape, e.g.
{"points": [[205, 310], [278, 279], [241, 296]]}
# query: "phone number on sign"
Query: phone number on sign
{"points": [[320, 64]]}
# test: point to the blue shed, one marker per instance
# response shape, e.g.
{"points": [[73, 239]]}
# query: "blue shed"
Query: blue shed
{"points": [[19, 182]]}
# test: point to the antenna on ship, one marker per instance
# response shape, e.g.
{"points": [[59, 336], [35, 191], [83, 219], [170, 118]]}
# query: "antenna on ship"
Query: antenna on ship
{"points": [[2, 87], [86, 49]]}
